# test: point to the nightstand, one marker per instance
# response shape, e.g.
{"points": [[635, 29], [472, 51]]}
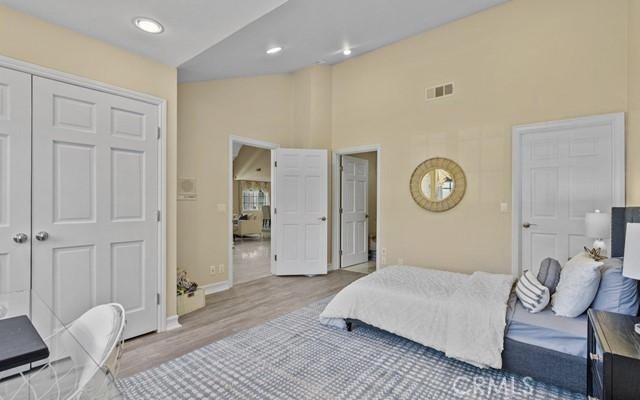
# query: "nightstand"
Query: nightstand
{"points": [[613, 365]]}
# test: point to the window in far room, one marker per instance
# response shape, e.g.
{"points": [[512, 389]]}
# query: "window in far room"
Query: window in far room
{"points": [[254, 199]]}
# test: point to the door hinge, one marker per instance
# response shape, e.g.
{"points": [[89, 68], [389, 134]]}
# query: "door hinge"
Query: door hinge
{"points": [[159, 130], [275, 211], [341, 168], [275, 164], [275, 257], [340, 252], [158, 298], [158, 215], [341, 211]]}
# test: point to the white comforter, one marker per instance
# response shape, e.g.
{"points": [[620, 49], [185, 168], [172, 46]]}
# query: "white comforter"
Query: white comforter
{"points": [[463, 316]]}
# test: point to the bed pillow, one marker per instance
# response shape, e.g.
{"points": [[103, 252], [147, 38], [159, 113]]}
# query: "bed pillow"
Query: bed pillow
{"points": [[549, 274], [533, 294], [616, 293], [579, 281]]}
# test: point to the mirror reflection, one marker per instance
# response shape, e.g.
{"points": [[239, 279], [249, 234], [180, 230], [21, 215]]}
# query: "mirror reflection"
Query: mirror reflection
{"points": [[437, 184]]}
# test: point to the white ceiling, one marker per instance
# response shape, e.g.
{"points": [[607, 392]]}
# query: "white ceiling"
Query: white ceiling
{"points": [[214, 39], [314, 30], [191, 26]]}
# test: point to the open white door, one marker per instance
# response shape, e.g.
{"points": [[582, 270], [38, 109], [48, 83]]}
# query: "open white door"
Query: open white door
{"points": [[354, 211], [299, 220]]}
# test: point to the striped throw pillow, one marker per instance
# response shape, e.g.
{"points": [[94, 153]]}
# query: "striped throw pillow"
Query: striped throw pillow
{"points": [[533, 294]]}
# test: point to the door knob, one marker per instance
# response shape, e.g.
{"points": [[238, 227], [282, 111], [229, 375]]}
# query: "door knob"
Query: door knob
{"points": [[527, 225], [323, 219], [20, 237], [42, 236]]}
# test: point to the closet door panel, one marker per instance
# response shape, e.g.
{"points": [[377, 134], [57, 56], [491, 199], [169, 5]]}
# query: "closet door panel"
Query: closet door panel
{"points": [[96, 195], [15, 177]]}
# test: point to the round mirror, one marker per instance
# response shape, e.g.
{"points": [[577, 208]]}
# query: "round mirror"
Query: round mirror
{"points": [[438, 184]]}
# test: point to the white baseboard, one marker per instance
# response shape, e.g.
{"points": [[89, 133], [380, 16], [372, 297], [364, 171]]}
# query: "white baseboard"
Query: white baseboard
{"points": [[216, 287], [172, 323]]}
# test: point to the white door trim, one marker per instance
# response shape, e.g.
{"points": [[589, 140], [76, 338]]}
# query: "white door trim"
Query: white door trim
{"points": [[616, 120], [64, 77], [254, 143], [335, 201]]}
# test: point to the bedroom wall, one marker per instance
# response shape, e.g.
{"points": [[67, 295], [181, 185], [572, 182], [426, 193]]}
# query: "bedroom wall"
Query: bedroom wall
{"points": [[522, 62], [35, 41], [633, 115], [259, 108]]}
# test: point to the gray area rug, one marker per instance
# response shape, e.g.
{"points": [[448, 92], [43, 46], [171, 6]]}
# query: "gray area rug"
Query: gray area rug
{"points": [[294, 357]]}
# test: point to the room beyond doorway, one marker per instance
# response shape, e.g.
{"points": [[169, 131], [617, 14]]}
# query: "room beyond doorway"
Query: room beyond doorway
{"points": [[250, 198]]}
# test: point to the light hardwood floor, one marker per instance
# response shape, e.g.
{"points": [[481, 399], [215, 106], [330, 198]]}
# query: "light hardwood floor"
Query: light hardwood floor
{"points": [[244, 306], [251, 259]]}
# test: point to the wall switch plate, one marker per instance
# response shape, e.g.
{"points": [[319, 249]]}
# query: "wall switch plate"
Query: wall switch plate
{"points": [[221, 268], [212, 269]]}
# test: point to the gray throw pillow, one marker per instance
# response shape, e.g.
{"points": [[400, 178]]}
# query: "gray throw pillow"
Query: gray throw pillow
{"points": [[549, 274]]}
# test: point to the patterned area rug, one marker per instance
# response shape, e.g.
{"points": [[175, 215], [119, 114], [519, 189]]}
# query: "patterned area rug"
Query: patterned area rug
{"points": [[294, 357]]}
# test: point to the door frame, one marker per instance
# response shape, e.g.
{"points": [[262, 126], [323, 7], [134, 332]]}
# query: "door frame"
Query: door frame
{"points": [[335, 201], [49, 73], [615, 120], [253, 143]]}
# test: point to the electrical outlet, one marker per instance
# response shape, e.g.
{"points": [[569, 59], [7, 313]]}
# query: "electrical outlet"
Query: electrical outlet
{"points": [[212, 269], [504, 207], [400, 261]]}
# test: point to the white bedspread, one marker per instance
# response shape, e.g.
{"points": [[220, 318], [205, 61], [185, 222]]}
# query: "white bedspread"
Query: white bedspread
{"points": [[463, 316]]}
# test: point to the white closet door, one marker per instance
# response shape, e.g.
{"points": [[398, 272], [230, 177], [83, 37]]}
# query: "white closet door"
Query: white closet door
{"points": [[95, 194], [300, 211], [15, 177], [355, 214]]}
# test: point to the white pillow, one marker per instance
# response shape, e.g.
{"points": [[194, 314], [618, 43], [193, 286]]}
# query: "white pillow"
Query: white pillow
{"points": [[533, 295], [579, 281]]}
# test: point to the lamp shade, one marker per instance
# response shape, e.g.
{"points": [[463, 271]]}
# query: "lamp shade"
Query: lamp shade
{"points": [[631, 265], [598, 225]]}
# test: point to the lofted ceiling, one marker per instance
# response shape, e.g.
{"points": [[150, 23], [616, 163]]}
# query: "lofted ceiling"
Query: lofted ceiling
{"points": [[191, 26], [216, 39]]}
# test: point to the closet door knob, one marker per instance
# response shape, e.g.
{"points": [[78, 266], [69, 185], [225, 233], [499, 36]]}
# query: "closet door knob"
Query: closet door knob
{"points": [[42, 236], [20, 237]]}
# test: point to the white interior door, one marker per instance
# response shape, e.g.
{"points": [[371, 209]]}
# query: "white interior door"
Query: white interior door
{"points": [[354, 211], [568, 169], [15, 178], [300, 212], [95, 194]]}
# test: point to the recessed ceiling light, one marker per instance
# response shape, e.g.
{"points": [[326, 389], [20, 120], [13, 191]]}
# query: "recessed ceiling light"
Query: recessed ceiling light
{"points": [[274, 50], [148, 25], [347, 52]]}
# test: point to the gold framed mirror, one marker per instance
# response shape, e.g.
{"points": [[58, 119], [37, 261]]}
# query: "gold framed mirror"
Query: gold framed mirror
{"points": [[438, 184]]}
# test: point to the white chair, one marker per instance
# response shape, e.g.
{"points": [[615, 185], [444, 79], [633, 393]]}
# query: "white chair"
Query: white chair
{"points": [[95, 342]]}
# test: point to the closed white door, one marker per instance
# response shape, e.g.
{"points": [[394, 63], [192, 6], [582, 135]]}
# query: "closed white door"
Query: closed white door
{"points": [[300, 212], [568, 169], [355, 211], [15, 178], [95, 202]]}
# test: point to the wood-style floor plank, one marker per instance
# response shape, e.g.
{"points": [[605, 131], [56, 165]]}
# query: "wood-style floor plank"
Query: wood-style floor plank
{"points": [[244, 306]]}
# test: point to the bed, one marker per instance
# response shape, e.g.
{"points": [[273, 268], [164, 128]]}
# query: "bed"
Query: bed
{"points": [[543, 346]]}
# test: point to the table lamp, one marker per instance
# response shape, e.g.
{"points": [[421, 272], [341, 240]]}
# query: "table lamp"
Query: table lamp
{"points": [[631, 264], [598, 227]]}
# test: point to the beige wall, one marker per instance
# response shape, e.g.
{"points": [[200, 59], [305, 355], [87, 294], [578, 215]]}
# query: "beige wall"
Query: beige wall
{"points": [[580, 57], [521, 62], [32, 40], [258, 108], [372, 158], [633, 116]]}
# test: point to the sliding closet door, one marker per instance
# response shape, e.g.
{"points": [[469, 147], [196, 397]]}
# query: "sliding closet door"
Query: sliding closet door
{"points": [[95, 202], [15, 176]]}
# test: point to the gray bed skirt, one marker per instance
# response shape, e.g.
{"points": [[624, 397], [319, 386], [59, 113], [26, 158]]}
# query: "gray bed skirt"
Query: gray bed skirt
{"points": [[545, 365]]}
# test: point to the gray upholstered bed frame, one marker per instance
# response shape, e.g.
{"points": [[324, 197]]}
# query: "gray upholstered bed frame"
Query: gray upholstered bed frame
{"points": [[551, 366]]}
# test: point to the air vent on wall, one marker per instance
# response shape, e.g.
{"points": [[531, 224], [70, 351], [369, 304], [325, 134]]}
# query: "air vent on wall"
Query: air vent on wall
{"points": [[438, 92], [187, 189]]}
